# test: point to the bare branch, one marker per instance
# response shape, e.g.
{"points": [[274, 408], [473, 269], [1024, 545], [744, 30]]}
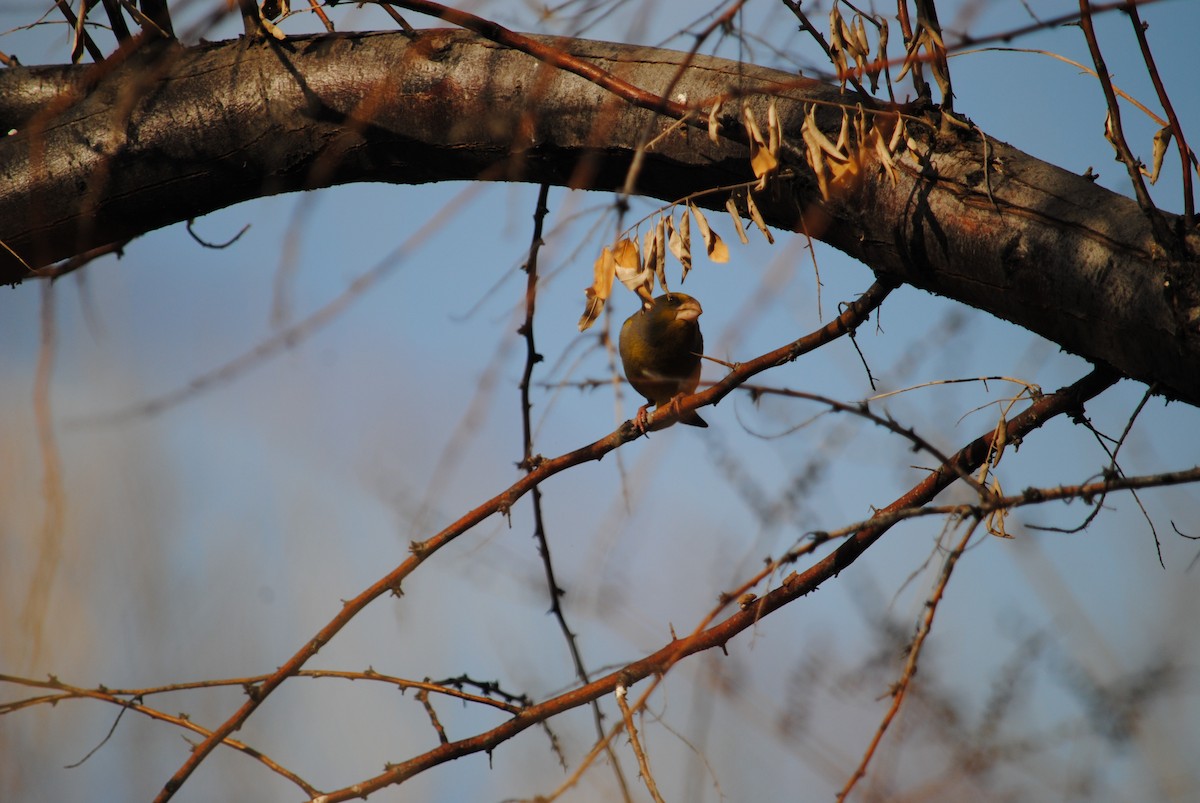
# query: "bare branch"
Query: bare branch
{"points": [[796, 585], [900, 689], [853, 316], [1186, 157]]}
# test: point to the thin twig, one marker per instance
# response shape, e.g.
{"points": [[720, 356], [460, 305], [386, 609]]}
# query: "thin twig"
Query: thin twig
{"points": [[529, 461], [1114, 131], [450, 687], [216, 246], [545, 53], [320, 12], [134, 703], [900, 689], [631, 729], [1186, 156], [116, 20], [423, 699], [76, 262], [82, 38], [1114, 469]]}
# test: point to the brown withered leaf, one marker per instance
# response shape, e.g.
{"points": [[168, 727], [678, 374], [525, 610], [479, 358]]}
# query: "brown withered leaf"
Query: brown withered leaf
{"points": [[757, 217], [714, 246], [603, 273], [680, 242], [774, 130], [731, 208], [762, 161], [630, 270], [837, 44], [1161, 140], [714, 126], [660, 253]]}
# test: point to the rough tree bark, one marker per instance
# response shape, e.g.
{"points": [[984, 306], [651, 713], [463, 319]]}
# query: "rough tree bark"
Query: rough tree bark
{"points": [[102, 153]]}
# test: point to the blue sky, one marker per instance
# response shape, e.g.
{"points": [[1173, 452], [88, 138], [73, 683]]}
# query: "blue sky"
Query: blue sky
{"points": [[213, 539]]}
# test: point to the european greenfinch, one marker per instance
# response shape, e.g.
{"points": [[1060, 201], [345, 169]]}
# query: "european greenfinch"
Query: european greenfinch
{"points": [[660, 350]]}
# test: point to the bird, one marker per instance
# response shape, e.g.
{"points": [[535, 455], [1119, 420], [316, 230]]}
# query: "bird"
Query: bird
{"points": [[660, 347]]}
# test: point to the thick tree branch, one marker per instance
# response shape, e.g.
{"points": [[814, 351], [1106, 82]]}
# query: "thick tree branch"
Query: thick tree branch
{"points": [[105, 152]]}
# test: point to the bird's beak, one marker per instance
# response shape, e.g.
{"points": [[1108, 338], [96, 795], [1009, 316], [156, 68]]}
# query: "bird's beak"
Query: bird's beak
{"points": [[689, 310]]}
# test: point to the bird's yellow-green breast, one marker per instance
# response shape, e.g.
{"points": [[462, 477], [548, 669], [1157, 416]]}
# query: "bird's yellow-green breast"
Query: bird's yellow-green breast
{"points": [[660, 350]]}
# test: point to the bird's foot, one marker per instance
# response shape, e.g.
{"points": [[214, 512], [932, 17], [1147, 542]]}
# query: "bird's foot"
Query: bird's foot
{"points": [[642, 419]]}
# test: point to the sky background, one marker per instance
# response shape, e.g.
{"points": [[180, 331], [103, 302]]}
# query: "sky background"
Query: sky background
{"points": [[213, 539]]}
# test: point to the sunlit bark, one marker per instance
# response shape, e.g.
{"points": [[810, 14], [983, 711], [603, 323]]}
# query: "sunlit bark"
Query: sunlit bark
{"points": [[102, 153]]}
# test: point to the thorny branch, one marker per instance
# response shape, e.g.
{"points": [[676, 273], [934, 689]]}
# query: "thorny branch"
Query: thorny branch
{"points": [[900, 689], [797, 584], [853, 316], [529, 461], [636, 744], [132, 701]]}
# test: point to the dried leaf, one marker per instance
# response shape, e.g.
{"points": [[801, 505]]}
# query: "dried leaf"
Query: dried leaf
{"points": [[911, 56], [1108, 130], [731, 207], [680, 242], [816, 160], [898, 134], [630, 271], [649, 259], [853, 43], [714, 125], [875, 66], [714, 246], [837, 44], [995, 519], [751, 124], [603, 273], [862, 43], [757, 217], [875, 140], [999, 441], [843, 140], [702, 223], [811, 129], [1161, 140], [844, 176], [718, 252], [762, 161], [870, 66], [660, 254]]}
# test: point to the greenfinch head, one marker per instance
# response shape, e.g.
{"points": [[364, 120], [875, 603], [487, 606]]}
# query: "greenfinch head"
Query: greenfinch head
{"points": [[660, 349]]}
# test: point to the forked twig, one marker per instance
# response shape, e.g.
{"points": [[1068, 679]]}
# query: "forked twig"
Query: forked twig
{"points": [[900, 689]]}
